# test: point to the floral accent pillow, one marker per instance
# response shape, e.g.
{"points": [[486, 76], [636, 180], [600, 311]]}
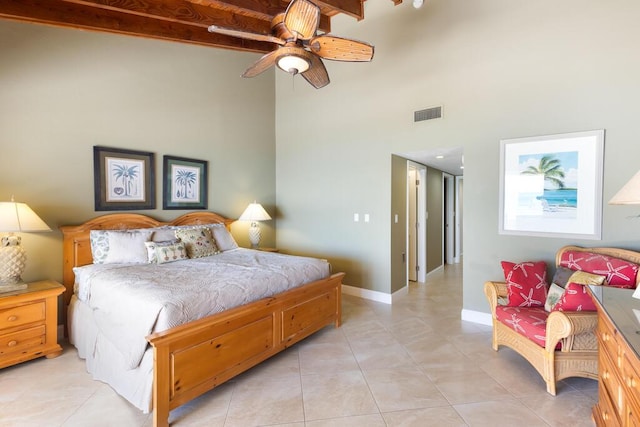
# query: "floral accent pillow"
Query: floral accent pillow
{"points": [[198, 241], [162, 252], [553, 296], [526, 283], [575, 298]]}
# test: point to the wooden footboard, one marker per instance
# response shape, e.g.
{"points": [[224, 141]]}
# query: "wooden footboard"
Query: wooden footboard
{"points": [[192, 359]]}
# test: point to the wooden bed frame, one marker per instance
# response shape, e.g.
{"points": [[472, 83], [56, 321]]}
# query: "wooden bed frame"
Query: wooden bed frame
{"points": [[193, 358]]}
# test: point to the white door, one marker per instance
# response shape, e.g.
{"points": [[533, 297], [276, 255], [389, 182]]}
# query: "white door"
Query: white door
{"points": [[412, 210]]}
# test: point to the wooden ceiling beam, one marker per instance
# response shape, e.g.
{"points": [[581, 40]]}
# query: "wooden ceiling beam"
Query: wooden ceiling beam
{"points": [[185, 12], [354, 8], [66, 14], [252, 7]]}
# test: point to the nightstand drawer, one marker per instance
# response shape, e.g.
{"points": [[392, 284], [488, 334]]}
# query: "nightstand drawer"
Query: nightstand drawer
{"points": [[22, 340], [21, 315]]}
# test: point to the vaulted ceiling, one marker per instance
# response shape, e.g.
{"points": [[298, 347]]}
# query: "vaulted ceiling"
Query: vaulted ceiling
{"points": [[177, 20]]}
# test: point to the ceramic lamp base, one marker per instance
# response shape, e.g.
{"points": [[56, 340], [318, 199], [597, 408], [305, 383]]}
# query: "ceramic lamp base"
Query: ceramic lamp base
{"points": [[254, 235], [13, 260]]}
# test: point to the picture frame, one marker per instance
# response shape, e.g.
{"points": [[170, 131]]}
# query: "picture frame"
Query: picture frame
{"points": [[123, 179], [551, 186], [184, 183]]}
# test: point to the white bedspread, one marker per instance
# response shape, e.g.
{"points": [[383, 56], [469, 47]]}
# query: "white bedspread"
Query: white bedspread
{"points": [[130, 301]]}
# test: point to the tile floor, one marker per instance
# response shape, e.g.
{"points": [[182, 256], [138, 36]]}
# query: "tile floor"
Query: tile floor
{"points": [[414, 363]]}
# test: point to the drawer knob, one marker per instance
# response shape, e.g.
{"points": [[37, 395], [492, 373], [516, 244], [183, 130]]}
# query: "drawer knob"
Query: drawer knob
{"points": [[12, 318], [631, 382], [12, 343]]}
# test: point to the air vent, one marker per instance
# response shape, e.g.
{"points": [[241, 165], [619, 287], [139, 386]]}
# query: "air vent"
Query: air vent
{"points": [[427, 114]]}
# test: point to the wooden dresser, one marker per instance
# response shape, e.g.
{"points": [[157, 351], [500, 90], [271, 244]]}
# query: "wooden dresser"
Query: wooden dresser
{"points": [[618, 362], [29, 323]]}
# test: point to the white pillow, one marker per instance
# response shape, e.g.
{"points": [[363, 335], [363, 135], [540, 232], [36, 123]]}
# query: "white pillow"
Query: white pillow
{"points": [[224, 239], [126, 247]]}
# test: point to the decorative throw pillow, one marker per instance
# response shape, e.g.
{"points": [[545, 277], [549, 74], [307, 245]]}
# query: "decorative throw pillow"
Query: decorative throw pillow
{"points": [[164, 234], [526, 283], [99, 245], [198, 241], [127, 247], [575, 298], [162, 252], [584, 278], [224, 239], [561, 276], [553, 296], [618, 273]]}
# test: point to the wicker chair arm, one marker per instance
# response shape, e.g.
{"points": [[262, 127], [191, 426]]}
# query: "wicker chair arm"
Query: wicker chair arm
{"points": [[567, 324], [493, 291]]}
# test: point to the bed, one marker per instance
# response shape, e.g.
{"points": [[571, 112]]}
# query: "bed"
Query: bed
{"points": [[185, 361]]}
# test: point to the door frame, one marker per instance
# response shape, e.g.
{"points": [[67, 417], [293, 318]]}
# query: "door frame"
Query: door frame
{"points": [[458, 214], [448, 218], [421, 229]]}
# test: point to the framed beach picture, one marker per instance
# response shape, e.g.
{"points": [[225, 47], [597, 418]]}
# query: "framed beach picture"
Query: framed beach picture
{"points": [[552, 185], [123, 179], [184, 183]]}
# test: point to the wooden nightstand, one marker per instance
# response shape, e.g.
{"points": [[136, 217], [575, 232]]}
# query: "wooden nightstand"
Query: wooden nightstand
{"points": [[29, 323]]}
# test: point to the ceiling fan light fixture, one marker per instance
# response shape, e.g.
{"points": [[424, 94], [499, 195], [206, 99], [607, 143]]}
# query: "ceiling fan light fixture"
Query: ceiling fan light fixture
{"points": [[293, 64]]}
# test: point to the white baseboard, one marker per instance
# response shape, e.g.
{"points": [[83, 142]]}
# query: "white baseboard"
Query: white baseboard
{"points": [[476, 317], [373, 295]]}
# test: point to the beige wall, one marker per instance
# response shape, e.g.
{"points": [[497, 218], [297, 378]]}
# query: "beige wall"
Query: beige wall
{"points": [[64, 91], [502, 69], [399, 254]]}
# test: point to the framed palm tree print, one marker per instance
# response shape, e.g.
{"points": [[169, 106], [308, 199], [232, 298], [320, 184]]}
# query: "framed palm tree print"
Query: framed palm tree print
{"points": [[552, 185], [184, 183], [123, 179]]}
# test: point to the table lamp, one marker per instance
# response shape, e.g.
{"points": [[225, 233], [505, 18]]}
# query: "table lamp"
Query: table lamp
{"points": [[254, 213], [15, 217], [629, 194]]}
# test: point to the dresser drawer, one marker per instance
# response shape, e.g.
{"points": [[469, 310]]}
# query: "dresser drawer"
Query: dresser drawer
{"points": [[607, 408], [22, 340], [21, 315]]}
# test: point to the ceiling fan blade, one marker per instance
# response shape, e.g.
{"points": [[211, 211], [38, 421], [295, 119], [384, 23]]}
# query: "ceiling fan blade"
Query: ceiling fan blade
{"points": [[262, 64], [245, 35], [317, 74], [341, 49], [302, 18]]}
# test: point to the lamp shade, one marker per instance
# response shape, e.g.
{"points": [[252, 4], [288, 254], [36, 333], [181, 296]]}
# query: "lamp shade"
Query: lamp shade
{"points": [[629, 194], [18, 217], [254, 212]]}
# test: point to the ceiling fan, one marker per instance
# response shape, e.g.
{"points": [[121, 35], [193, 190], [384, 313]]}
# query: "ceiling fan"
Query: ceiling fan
{"points": [[299, 47]]}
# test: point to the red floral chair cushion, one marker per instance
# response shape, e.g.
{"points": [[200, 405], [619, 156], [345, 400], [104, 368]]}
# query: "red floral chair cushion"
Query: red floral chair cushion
{"points": [[528, 321], [575, 298], [526, 283], [619, 273]]}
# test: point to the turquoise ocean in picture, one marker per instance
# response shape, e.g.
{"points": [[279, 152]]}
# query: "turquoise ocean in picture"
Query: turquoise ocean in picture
{"points": [[565, 198]]}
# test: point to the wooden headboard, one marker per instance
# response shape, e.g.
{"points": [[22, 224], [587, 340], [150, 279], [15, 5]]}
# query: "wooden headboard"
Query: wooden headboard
{"points": [[76, 249]]}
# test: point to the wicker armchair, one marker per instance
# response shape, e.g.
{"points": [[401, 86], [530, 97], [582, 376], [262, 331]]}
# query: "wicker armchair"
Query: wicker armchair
{"points": [[577, 355]]}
